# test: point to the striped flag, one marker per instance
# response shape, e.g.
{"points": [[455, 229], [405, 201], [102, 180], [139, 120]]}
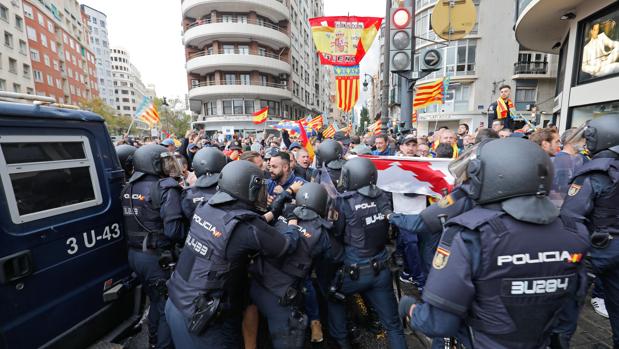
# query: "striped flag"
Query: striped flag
{"points": [[329, 132], [430, 93], [147, 112], [347, 87], [260, 116], [315, 123], [375, 128], [305, 141]]}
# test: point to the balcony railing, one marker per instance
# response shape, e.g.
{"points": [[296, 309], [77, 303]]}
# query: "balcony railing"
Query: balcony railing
{"points": [[537, 68], [236, 20], [239, 83], [236, 52]]}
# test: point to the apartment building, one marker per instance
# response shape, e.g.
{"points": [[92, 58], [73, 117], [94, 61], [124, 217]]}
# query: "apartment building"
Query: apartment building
{"points": [[97, 27]]}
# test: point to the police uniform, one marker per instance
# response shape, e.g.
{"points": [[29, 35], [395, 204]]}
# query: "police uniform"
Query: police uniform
{"points": [[212, 269], [277, 284], [363, 227], [204, 188], [153, 222], [593, 197]]}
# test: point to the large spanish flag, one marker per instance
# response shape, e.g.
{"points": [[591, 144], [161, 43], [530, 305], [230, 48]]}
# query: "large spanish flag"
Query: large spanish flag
{"points": [[260, 116]]}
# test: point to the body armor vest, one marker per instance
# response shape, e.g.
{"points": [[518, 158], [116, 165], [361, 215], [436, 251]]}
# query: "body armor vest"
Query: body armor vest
{"points": [[279, 275], [367, 228], [193, 196], [605, 214], [526, 273], [141, 201], [202, 266], [451, 205]]}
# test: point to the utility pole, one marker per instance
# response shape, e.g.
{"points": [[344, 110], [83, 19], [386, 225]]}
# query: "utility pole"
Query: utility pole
{"points": [[384, 114]]}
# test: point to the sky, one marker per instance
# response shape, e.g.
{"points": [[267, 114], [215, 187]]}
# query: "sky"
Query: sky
{"points": [[151, 32]]}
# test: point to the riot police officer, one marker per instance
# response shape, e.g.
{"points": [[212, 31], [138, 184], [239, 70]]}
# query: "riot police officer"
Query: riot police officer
{"points": [[153, 222], [206, 289], [593, 197], [363, 227], [503, 269], [125, 156], [329, 158], [207, 164], [277, 283]]}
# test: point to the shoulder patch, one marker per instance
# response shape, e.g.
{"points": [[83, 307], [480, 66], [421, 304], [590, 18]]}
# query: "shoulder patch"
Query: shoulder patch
{"points": [[446, 201], [574, 189], [440, 258]]}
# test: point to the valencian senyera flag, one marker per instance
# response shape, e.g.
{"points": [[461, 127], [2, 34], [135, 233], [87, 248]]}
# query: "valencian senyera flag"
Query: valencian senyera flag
{"points": [[147, 112], [315, 123], [346, 87], [329, 132], [260, 116], [430, 93], [343, 40]]}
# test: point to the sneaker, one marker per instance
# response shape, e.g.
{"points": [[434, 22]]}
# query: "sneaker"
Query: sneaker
{"points": [[316, 329], [406, 278], [599, 306]]}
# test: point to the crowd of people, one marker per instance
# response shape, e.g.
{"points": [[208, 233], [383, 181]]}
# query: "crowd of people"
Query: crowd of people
{"points": [[258, 226]]}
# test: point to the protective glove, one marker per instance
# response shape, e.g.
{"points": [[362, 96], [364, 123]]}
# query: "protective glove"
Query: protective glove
{"points": [[406, 302], [277, 206], [287, 213]]}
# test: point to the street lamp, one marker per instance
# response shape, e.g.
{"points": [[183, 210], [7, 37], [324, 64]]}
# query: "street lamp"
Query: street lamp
{"points": [[365, 82]]}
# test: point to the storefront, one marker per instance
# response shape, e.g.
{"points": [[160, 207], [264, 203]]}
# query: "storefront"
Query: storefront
{"points": [[586, 37]]}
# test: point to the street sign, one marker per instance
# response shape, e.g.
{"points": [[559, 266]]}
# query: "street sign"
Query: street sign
{"points": [[431, 59], [453, 19]]}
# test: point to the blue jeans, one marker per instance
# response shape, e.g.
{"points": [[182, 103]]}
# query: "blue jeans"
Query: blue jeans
{"points": [[378, 291], [312, 308], [153, 280], [412, 258], [224, 333], [285, 333]]}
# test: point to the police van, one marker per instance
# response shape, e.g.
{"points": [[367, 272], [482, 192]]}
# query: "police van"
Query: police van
{"points": [[64, 277]]}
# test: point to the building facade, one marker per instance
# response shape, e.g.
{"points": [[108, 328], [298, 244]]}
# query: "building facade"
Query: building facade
{"points": [[15, 65], [588, 76], [245, 55], [129, 90], [63, 64], [97, 26]]}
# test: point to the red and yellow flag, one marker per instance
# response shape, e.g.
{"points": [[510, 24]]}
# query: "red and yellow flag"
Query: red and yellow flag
{"points": [[315, 123], [329, 132], [375, 128], [305, 141], [430, 93], [347, 87], [260, 116]]}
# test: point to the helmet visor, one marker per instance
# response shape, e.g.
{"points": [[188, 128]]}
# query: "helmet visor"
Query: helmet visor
{"points": [[458, 166], [258, 193], [171, 164]]}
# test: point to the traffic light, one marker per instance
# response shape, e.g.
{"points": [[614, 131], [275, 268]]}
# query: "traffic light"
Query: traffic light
{"points": [[401, 38]]}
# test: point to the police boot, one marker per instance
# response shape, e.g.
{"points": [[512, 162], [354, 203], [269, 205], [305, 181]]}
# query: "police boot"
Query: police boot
{"points": [[316, 329]]}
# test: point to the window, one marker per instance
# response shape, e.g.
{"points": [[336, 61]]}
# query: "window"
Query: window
{"points": [[26, 70], [273, 107], [38, 170], [264, 79], [228, 49], [23, 47], [245, 79], [38, 76], [4, 13], [94, 20], [2, 84], [50, 80], [46, 60], [28, 11], [210, 108], [12, 65], [262, 51], [8, 39], [34, 55], [580, 115], [227, 18], [230, 79], [41, 19], [102, 24], [249, 106], [17, 88], [50, 26], [32, 34], [526, 94], [52, 45], [243, 49], [19, 23]]}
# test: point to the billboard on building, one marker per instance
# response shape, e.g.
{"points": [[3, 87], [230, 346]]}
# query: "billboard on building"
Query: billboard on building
{"points": [[599, 43]]}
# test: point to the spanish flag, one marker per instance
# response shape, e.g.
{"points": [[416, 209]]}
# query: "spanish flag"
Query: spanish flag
{"points": [[305, 141], [260, 116]]}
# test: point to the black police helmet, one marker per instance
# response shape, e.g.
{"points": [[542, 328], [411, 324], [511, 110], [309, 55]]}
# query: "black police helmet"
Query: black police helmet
{"points": [[125, 156], [329, 150], [208, 160], [603, 133], [244, 181], [315, 197], [509, 168], [147, 159], [358, 173]]}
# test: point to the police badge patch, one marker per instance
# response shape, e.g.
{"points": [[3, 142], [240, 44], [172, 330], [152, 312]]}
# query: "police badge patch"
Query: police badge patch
{"points": [[440, 258], [446, 201], [574, 189]]}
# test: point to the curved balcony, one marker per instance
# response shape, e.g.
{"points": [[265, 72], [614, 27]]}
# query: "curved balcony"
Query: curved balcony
{"points": [[203, 31], [238, 88], [204, 62], [275, 10]]}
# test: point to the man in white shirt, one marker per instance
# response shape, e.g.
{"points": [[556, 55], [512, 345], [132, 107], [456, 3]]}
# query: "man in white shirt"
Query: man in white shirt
{"points": [[601, 54]]}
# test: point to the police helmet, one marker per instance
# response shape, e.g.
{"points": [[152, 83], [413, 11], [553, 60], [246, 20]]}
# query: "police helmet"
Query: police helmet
{"points": [[208, 160], [243, 181], [315, 197], [507, 168], [147, 159], [357, 173], [603, 133], [329, 150], [125, 156]]}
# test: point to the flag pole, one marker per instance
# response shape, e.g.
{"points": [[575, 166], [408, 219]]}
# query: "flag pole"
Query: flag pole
{"points": [[130, 125]]}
